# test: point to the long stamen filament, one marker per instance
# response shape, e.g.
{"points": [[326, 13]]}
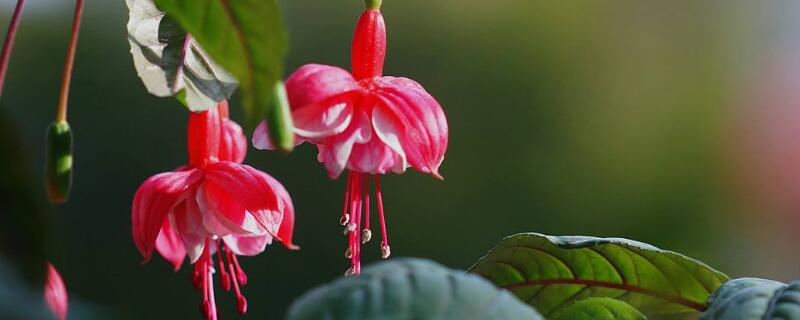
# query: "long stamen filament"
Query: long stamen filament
{"points": [[366, 233], [385, 249], [225, 280], [240, 275], [241, 302], [345, 216]]}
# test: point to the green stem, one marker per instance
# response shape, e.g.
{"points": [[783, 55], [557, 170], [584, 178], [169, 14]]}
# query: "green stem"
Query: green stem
{"points": [[61, 116], [373, 4]]}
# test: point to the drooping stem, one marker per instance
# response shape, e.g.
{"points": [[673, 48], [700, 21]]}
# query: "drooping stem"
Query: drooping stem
{"points": [[9, 43], [69, 62]]}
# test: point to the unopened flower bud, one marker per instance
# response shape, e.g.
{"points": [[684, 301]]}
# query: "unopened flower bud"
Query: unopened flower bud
{"points": [[58, 167]]}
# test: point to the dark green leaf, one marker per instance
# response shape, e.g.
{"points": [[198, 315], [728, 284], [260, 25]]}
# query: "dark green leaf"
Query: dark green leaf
{"points": [[170, 62], [755, 299], [247, 38], [410, 289], [599, 309], [552, 272], [58, 169]]}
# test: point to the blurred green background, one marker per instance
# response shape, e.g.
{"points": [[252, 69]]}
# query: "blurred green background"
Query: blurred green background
{"points": [[635, 119]]}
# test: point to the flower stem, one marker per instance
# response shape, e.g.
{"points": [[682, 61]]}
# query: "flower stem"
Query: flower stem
{"points": [[9, 43], [61, 116], [373, 4]]}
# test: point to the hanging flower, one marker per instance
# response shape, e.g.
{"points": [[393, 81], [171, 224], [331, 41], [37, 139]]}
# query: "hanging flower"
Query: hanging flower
{"points": [[214, 205], [365, 122], [55, 293]]}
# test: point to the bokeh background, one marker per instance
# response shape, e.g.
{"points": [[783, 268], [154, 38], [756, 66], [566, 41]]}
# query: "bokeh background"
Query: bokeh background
{"points": [[675, 123]]}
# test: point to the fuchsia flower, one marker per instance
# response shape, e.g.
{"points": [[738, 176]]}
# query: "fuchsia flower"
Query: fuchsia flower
{"points": [[365, 122], [213, 205], [55, 293]]}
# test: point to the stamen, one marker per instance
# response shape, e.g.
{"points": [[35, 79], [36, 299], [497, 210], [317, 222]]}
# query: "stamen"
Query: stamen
{"points": [[197, 276], [212, 302], [349, 228], [350, 272], [240, 275], [366, 235], [207, 307], [346, 217], [225, 280], [385, 249], [359, 206], [366, 203], [241, 302], [348, 253]]}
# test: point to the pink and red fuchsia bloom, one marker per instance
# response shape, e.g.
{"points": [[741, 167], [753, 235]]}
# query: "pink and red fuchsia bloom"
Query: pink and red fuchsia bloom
{"points": [[213, 205], [364, 122]]}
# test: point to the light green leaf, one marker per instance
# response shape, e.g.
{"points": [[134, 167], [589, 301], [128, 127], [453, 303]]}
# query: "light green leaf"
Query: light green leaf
{"points": [[247, 38], [171, 63], [599, 309], [754, 299], [551, 272], [410, 289]]}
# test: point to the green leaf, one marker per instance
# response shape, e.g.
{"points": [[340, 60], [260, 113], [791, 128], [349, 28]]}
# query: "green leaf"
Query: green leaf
{"points": [[755, 299], [58, 168], [171, 63], [410, 289], [551, 272], [247, 38], [599, 309]]}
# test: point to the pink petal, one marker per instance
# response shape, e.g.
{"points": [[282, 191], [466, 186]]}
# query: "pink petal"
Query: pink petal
{"points": [[287, 223], [55, 293], [156, 197], [189, 223], [425, 135], [247, 246], [375, 157], [223, 215], [233, 145], [389, 129], [326, 118], [336, 150], [314, 83], [252, 191], [262, 141], [170, 245]]}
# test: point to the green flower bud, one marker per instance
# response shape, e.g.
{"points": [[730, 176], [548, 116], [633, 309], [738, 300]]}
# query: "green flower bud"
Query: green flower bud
{"points": [[58, 165]]}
